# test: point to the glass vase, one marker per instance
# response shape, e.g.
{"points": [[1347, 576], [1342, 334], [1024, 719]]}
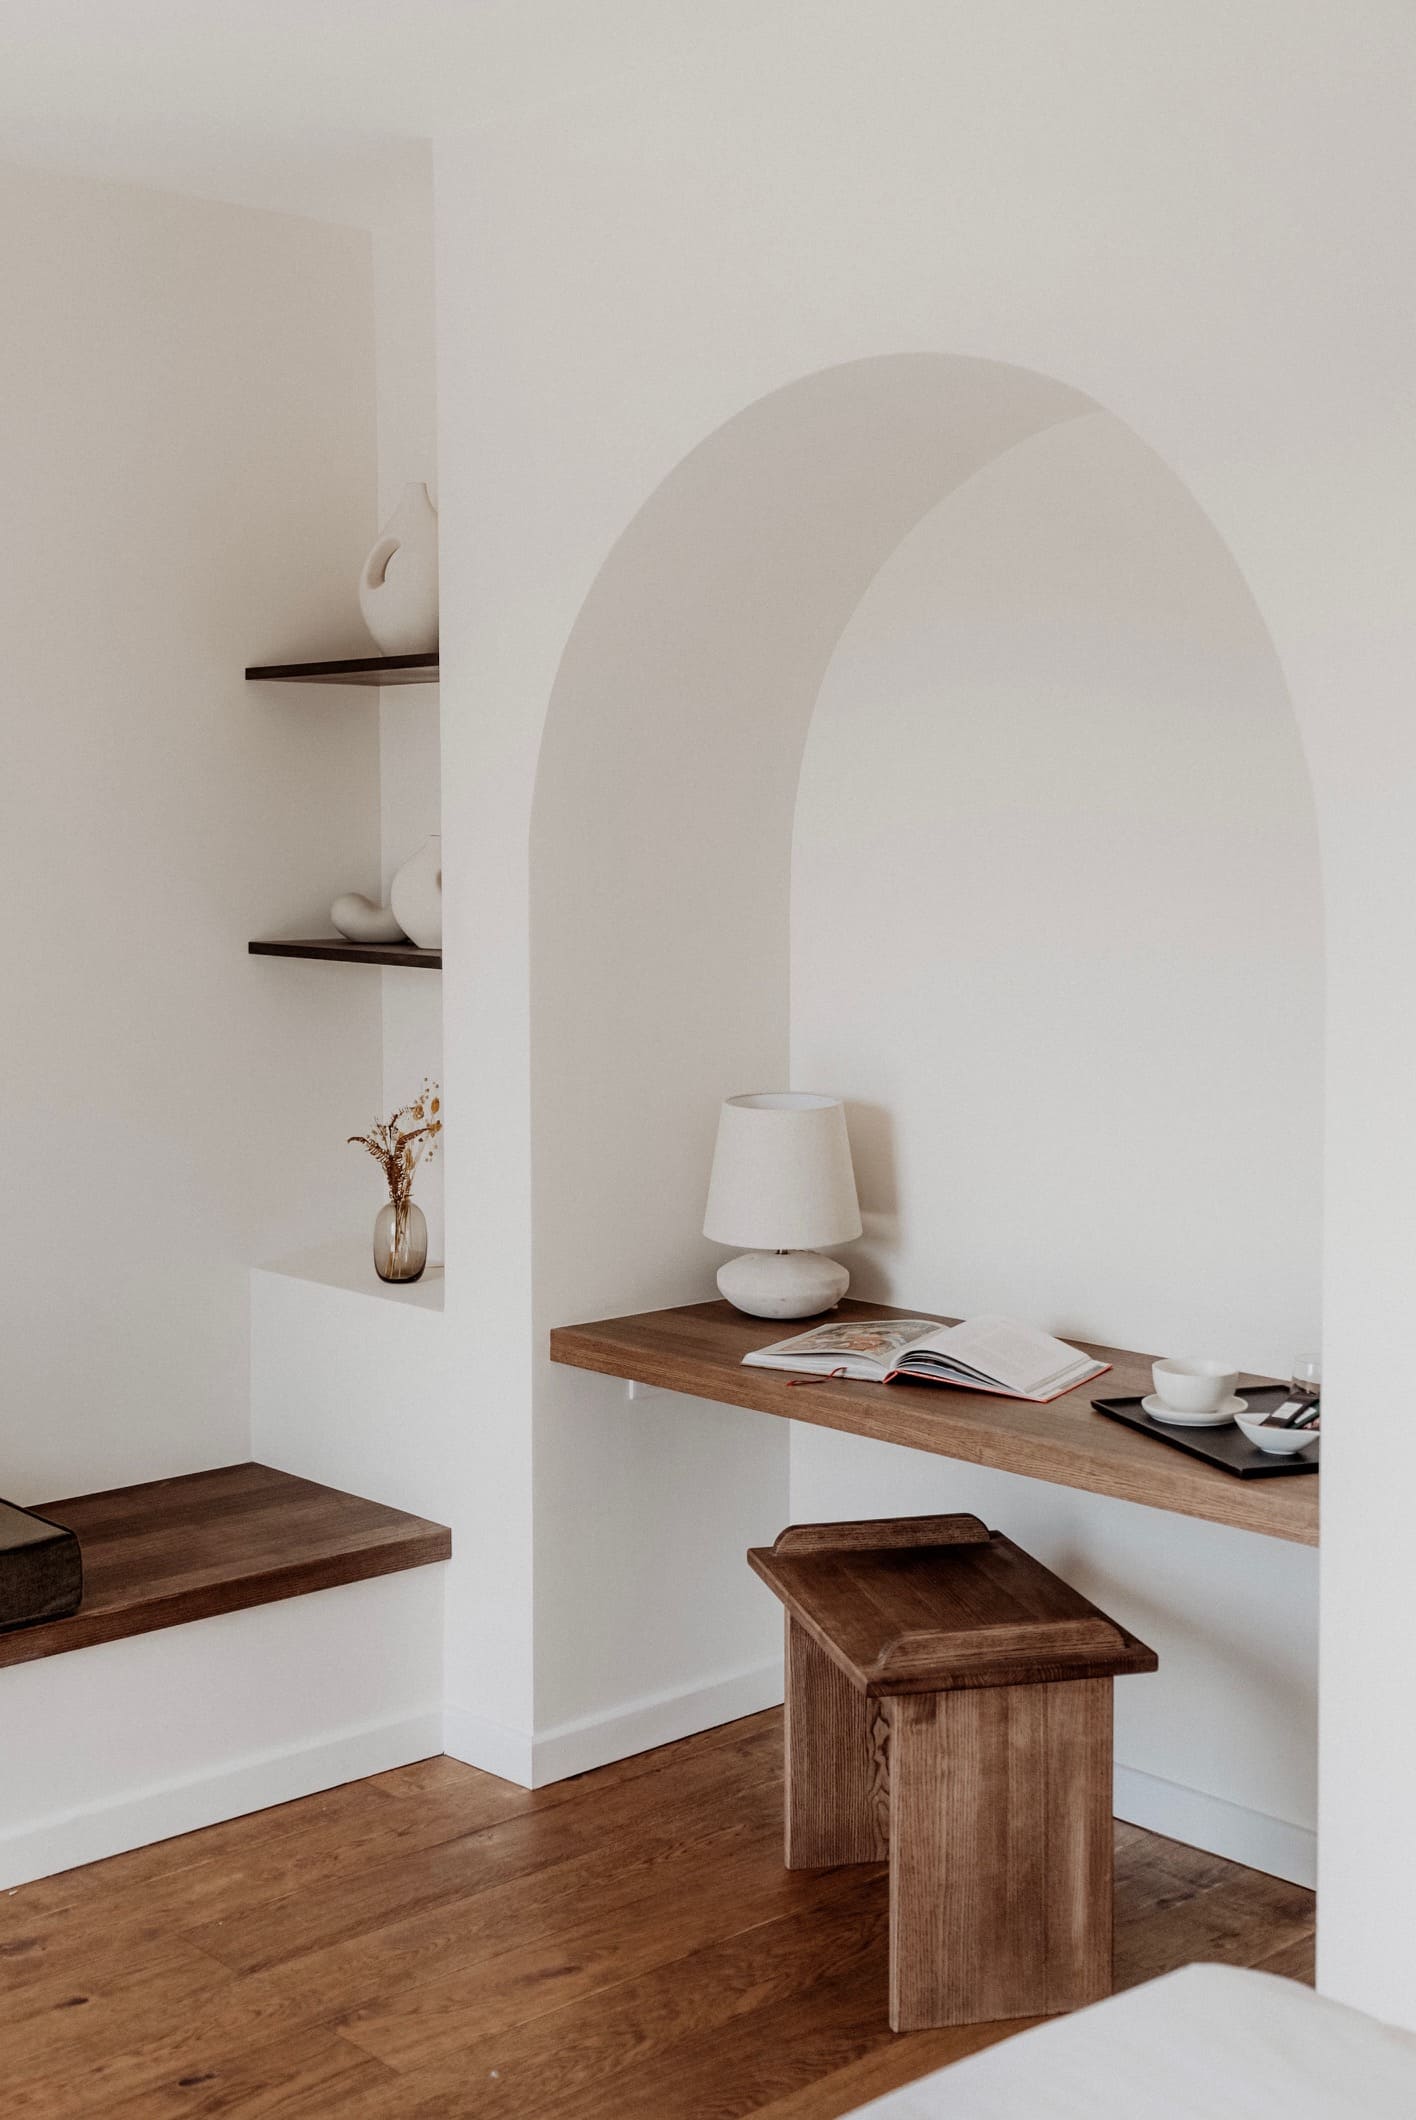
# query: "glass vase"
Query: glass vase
{"points": [[400, 1241]]}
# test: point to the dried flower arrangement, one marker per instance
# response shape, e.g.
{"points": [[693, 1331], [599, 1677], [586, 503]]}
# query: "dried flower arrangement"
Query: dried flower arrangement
{"points": [[399, 1144]]}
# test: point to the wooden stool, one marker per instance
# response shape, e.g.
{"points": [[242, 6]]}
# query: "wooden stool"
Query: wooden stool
{"points": [[949, 1706]]}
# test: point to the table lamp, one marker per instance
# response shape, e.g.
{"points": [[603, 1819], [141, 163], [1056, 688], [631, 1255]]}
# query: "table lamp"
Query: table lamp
{"points": [[782, 1183]]}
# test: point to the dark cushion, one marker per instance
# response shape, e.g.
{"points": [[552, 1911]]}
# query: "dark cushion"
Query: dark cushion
{"points": [[41, 1569]]}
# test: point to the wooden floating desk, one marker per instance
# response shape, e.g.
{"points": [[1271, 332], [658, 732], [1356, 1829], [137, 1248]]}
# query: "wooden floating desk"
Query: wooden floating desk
{"points": [[699, 1348]]}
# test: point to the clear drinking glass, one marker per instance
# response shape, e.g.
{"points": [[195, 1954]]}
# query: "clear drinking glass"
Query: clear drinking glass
{"points": [[1307, 1373], [400, 1241]]}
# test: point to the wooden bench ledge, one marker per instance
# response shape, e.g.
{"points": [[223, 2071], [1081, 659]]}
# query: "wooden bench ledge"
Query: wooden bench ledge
{"points": [[183, 1549]]}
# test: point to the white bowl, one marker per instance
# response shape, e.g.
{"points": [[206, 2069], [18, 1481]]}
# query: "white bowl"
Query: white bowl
{"points": [[1190, 1384], [1278, 1442]]}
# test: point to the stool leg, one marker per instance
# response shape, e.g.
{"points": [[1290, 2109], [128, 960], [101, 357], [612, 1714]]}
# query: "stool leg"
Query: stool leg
{"points": [[1000, 1852], [837, 1777]]}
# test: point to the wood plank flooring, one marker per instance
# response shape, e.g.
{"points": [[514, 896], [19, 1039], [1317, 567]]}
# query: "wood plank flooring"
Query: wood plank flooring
{"points": [[433, 1943]]}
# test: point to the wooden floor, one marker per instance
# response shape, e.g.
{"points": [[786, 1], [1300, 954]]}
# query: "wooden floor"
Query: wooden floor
{"points": [[433, 1943]]}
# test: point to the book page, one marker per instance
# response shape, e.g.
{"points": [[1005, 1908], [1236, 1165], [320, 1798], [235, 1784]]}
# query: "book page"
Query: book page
{"points": [[880, 1340], [1017, 1356]]}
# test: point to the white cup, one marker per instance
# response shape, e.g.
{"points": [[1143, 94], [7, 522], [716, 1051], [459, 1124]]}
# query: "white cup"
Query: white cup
{"points": [[1187, 1384]]}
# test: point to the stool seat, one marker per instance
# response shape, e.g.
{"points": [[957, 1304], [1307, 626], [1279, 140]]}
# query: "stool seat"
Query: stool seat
{"points": [[949, 1707], [933, 1604]]}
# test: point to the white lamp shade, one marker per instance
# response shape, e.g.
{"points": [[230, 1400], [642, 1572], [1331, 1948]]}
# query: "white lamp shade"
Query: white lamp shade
{"points": [[782, 1177]]}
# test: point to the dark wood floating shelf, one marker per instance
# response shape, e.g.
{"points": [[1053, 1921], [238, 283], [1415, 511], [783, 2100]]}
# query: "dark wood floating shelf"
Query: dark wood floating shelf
{"points": [[699, 1348], [182, 1549], [333, 949], [352, 670]]}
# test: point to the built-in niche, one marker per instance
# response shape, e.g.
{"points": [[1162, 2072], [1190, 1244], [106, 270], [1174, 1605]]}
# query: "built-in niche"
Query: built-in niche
{"points": [[663, 968]]}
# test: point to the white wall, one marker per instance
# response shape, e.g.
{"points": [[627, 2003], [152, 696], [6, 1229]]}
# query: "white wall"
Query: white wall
{"points": [[409, 758], [353, 1383], [1186, 214], [660, 955], [186, 437], [1055, 903], [1055, 895], [222, 1716], [351, 1386]]}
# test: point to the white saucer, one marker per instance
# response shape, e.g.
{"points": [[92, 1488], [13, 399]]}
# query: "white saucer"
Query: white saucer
{"points": [[1220, 1418]]}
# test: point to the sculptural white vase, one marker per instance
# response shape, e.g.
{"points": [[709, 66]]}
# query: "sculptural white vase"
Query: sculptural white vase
{"points": [[398, 589], [359, 919], [416, 895]]}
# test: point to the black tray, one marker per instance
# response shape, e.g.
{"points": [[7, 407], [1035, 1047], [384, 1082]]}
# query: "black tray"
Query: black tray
{"points": [[1229, 1448]]}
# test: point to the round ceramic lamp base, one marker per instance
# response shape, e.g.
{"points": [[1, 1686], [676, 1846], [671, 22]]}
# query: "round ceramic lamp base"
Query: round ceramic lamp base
{"points": [[783, 1284]]}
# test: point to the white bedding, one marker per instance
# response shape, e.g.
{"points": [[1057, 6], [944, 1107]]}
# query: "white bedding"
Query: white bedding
{"points": [[1208, 2043]]}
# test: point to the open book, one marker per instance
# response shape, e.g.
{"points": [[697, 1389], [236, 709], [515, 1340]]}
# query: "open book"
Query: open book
{"points": [[982, 1354]]}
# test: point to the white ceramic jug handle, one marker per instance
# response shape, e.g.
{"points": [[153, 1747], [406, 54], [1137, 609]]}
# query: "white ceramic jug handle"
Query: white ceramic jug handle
{"points": [[376, 565]]}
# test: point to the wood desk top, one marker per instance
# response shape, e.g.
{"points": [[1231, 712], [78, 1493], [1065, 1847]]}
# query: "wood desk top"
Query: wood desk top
{"points": [[698, 1349]]}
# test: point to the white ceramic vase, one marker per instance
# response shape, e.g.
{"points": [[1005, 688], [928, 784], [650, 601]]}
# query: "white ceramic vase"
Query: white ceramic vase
{"points": [[359, 919], [398, 589], [416, 895]]}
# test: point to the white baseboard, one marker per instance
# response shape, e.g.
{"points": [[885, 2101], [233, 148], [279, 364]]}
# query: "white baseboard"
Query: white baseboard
{"points": [[1166, 1807], [590, 1741], [1220, 1827], [493, 1747], [43, 1846]]}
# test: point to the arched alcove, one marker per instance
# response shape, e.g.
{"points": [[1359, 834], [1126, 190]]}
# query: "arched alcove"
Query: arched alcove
{"points": [[661, 832], [1055, 907], [1054, 807], [661, 861]]}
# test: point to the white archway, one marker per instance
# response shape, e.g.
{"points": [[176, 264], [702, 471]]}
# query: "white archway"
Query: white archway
{"points": [[659, 890], [1087, 196]]}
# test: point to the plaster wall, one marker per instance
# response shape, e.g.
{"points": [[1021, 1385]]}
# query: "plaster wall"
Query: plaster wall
{"points": [[662, 964], [1188, 216], [409, 737], [277, 1702], [1055, 886], [186, 438]]}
